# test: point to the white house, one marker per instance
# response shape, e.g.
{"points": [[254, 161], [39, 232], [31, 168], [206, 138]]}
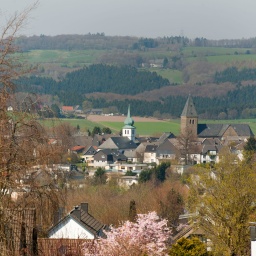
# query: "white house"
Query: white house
{"points": [[78, 224]]}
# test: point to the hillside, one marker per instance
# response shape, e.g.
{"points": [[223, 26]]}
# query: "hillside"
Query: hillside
{"points": [[155, 75]]}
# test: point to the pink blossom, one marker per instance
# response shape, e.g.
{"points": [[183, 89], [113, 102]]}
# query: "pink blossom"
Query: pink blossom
{"points": [[148, 235]]}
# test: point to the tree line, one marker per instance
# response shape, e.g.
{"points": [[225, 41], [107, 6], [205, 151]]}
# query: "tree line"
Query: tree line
{"points": [[233, 75], [100, 41]]}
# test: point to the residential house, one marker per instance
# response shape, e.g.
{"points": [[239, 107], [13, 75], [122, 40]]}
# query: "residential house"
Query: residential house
{"points": [[78, 224], [132, 156], [88, 156], [67, 109], [150, 153], [77, 149], [78, 110], [122, 167], [104, 158], [166, 151]]}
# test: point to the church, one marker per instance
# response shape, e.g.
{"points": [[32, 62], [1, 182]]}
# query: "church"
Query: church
{"points": [[204, 141], [225, 132]]}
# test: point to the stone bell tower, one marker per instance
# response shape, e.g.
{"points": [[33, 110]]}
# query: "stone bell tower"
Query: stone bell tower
{"points": [[189, 119]]}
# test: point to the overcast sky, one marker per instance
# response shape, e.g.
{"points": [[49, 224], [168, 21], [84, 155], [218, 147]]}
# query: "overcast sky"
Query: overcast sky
{"points": [[212, 19]]}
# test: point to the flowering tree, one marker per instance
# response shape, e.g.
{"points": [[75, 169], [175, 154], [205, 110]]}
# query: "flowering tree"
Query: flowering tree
{"points": [[147, 236]]}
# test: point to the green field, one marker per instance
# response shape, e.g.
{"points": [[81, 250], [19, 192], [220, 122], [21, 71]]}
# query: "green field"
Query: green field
{"points": [[142, 128], [63, 58], [212, 51], [174, 76], [147, 128]]}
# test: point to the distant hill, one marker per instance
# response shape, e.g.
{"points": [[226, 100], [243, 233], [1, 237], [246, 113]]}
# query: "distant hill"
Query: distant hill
{"points": [[154, 74]]}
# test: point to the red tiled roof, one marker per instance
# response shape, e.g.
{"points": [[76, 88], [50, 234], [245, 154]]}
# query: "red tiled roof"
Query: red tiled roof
{"points": [[67, 108], [77, 148]]}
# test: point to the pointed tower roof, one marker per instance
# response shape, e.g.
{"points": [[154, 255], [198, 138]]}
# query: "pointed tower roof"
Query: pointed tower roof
{"points": [[128, 121], [189, 109]]}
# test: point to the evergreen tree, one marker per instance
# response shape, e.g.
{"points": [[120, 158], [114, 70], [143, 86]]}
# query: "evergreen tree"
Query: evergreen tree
{"points": [[132, 211]]}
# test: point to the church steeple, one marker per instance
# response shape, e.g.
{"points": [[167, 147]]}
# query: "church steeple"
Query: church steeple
{"points": [[128, 120], [129, 130], [189, 119], [189, 108]]}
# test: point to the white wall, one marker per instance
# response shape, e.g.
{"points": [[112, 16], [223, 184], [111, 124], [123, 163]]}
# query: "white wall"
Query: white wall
{"points": [[70, 229], [253, 248]]}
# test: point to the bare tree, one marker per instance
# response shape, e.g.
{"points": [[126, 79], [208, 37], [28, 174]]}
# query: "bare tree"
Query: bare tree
{"points": [[23, 145], [187, 144]]}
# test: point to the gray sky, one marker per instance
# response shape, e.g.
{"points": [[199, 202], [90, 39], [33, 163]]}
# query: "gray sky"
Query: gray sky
{"points": [[212, 19]]}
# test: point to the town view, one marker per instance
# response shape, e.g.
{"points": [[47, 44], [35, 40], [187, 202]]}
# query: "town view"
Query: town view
{"points": [[120, 144]]}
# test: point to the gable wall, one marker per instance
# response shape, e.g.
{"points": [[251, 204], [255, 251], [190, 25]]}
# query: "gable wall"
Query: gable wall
{"points": [[229, 132], [70, 229]]}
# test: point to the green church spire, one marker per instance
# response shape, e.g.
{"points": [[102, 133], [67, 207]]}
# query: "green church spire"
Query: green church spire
{"points": [[128, 121]]}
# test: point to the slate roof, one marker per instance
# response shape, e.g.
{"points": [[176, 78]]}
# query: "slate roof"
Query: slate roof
{"points": [[81, 140], [151, 148], [207, 148], [189, 108], [99, 139], [90, 150], [111, 155], [119, 143], [87, 220], [165, 136], [166, 148], [217, 130], [124, 142]]}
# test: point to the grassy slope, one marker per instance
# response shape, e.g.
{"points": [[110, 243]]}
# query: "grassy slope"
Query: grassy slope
{"points": [[80, 58]]}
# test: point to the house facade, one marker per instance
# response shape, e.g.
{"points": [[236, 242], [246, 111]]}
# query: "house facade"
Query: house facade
{"points": [[78, 224]]}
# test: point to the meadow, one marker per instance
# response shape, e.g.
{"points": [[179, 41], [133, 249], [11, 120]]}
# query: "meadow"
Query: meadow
{"points": [[63, 58], [147, 128], [142, 128]]}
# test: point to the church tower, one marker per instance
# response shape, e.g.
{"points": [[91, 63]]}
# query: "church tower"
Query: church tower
{"points": [[129, 130], [189, 119]]}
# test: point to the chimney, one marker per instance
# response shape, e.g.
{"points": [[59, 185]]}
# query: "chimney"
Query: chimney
{"points": [[84, 207]]}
